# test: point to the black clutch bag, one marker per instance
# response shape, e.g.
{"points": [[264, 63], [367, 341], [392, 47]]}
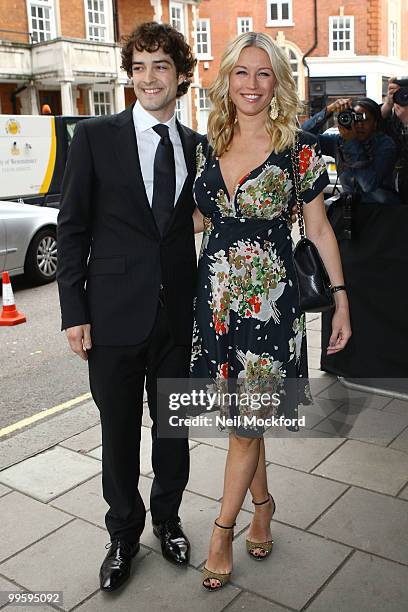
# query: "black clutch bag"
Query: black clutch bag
{"points": [[314, 286]]}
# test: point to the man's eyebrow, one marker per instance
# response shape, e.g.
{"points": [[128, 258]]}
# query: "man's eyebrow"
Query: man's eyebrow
{"points": [[159, 61]]}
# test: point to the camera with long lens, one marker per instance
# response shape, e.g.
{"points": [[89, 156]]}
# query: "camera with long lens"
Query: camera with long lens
{"points": [[401, 96], [348, 117]]}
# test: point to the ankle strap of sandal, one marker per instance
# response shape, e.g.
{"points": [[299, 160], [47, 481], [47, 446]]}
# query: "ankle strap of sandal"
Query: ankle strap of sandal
{"points": [[262, 502], [223, 526]]}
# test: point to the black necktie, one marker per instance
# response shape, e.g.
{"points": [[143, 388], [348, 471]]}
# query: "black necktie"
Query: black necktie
{"points": [[164, 179]]}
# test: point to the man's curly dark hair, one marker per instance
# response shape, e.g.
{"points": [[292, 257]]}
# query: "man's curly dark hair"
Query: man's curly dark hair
{"points": [[151, 36]]}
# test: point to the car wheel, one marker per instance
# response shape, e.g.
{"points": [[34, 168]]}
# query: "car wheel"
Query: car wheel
{"points": [[41, 259]]}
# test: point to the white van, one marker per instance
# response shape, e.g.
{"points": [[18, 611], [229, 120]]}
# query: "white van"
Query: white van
{"points": [[33, 154]]}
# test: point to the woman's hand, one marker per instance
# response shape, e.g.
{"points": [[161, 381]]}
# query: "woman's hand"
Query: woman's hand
{"points": [[341, 329], [198, 220]]}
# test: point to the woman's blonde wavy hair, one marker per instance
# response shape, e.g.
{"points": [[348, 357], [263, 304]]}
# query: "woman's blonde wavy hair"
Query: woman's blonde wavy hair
{"points": [[223, 114]]}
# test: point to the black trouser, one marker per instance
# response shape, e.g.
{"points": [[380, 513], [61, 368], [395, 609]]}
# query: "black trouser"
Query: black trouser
{"points": [[117, 375]]}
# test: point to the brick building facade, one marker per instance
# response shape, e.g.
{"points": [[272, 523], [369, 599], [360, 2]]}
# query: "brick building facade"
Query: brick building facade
{"points": [[66, 53], [351, 49]]}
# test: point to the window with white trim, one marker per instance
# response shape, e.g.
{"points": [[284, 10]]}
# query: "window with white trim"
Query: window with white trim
{"points": [[181, 110], [244, 24], [204, 107], [102, 102], [393, 38], [176, 10], [96, 19], [341, 35], [279, 12], [294, 64], [203, 34], [41, 19]]}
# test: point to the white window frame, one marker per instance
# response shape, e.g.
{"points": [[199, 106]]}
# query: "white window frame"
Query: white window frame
{"points": [[279, 21], [44, 4], [105, 26], [105, 92], [242, 21], [336, 20], [182, 110], [199, 32], [178, 6], [393, 38]]}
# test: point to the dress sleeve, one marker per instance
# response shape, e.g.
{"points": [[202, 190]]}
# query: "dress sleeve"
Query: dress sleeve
{"points": [[312, 168]]}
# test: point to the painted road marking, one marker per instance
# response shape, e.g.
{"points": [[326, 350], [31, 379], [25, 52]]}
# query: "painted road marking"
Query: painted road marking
{"points": [[43, 414]]}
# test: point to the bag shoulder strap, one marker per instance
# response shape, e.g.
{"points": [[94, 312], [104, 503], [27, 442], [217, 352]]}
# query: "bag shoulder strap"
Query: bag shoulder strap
{"points": [[295, 151]]}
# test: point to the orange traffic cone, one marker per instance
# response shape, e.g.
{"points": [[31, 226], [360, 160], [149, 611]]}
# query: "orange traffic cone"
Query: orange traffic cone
{"points": [[10, 314]]}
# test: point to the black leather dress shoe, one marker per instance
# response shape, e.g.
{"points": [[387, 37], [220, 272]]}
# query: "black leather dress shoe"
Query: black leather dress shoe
{"points": [[174, 543], [115, 569]]}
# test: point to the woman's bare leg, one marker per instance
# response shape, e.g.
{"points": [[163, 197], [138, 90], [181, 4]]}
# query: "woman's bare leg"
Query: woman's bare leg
{"points": [[240, 467], [260, 530]]}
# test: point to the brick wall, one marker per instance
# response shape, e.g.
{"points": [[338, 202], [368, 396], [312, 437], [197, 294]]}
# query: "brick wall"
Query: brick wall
{"points": [[13, 16], [73, 18], [132, 13]]}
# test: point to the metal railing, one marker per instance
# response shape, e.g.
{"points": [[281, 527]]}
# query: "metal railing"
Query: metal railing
{"points": [[28, 34]]}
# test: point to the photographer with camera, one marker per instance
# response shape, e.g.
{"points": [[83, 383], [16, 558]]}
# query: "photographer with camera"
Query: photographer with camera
{"points": [[365, 157], [394, 112]]}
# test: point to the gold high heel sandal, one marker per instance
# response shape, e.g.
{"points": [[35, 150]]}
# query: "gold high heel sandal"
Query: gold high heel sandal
{"points": [[266, 547], [223, 579]]}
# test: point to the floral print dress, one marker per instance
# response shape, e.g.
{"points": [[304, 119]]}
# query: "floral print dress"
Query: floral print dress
{"points": [[248, 326]]}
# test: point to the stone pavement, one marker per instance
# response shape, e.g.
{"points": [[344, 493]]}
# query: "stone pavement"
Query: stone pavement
{"points": [[340, 527]]}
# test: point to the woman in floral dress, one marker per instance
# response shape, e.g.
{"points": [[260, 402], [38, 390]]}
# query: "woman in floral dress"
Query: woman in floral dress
{"points": [[249, 330]]}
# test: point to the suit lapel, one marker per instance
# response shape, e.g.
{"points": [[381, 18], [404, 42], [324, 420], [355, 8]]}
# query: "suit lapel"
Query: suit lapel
{"points": [[129, 163]]}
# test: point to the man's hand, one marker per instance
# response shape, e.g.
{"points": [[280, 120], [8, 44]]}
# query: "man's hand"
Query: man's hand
{"points": [[392, 88], [347, 133], [79, 338], [339, 105]]}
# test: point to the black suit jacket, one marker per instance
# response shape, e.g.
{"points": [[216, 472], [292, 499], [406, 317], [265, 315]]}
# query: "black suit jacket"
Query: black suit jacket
{"points": [[111, 257]]}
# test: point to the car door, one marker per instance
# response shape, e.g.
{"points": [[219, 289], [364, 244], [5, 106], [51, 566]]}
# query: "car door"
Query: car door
{"points": [[3, 245]]}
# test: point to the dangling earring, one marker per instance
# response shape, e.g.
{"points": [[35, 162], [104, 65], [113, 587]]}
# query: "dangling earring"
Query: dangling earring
{"points": [[274, 108]]}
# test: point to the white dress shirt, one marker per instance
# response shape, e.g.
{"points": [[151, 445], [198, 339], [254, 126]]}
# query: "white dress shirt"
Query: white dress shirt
{"points": [[147, 141]]}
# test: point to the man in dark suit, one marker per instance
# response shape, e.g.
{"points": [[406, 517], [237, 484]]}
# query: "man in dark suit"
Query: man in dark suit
{"points": [[126, 279]]}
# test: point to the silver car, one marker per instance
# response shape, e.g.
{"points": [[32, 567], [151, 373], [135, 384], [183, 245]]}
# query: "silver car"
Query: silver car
{"points": [[28, 243]]}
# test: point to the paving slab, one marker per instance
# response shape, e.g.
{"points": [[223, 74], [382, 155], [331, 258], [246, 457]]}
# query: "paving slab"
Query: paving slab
{"points": [[67, 560], [404, 493], [47, 433], [299, 564], [365, 582], [197, 514], [6, 586], [207, 471], [301, 453], [4, 490], [85, 441], [317, 412], [370, 521], [248, 602], [50, 473], [366, 424], [358, 398], [313, 338], [158, 586], [401, 441], [300, 498], [368, 466], [86, 500], [313, 357], [145, 451], [314, 324], [25, 520], [397, 406]]}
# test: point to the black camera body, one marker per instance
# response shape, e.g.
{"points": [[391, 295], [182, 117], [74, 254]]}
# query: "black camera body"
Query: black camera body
{"points": [[401, 96], [348, 117]]}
